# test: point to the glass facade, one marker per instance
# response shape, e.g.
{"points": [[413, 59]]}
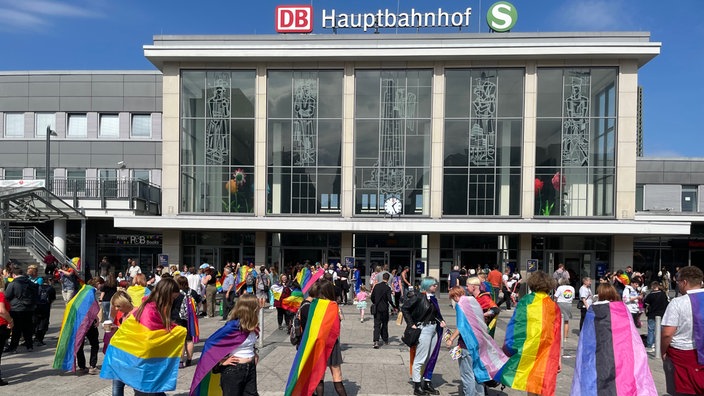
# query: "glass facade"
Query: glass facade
{"points": [[575, 142], [217, 141], [392, 140], [304, 141], [483, 139]]}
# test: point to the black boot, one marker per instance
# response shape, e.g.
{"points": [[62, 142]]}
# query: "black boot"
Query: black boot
{"points": [[418, 389], [428, 388]]}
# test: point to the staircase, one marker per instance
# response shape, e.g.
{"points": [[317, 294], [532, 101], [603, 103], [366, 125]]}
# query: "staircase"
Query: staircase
{"points": [[24, 257], [28, 246]]}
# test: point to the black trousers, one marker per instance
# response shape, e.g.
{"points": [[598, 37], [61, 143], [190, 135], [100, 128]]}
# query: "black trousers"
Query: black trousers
{"points": [[506, 298], [227, 304], [582, 314], [92, 335], [239, 380], [24, 327], [4, 336], [41, 323], [381, 325], [283, 316]]}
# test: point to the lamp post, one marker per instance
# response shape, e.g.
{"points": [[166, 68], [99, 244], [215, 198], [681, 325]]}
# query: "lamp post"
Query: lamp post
{"points": [[49, 134]]}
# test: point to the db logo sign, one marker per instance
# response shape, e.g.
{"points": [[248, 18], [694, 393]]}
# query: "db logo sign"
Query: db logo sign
{"points": [[294, 19]]}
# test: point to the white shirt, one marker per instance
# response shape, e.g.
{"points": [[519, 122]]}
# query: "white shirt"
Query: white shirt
{"points": [[628, 293], [134, 270], [586, 293], [194, 282], [246, 349], [565, 294], [679, 314]]}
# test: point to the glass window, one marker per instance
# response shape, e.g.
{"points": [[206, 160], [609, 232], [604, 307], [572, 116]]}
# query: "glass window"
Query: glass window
{"points": [[109, 126], [689, 198], [141, 126], [14, 124], [77, 125], [76, 180], [304, 141], [13, 173], [42, 121], [576, 142], [217, 141], [392, 140], [141, 174], [483, 140]]}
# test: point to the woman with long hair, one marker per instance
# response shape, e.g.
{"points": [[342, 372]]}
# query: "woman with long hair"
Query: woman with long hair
{"points": [[153, 315], [183, 314], [422, 311], [138, 289], [231, 352]]}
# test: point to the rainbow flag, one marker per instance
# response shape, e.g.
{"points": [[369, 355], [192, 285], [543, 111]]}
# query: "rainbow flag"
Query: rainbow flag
{"points": [[622, 367], [137, 294], [320, 334], [533, 346], [293, 302], [218, 345], [193, 326], [80, 313], [241, 278], [697, 300], [487, 357], [142, 358]]}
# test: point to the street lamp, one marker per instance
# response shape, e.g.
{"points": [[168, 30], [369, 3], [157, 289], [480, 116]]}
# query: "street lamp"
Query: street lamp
{"points": [[49, 134]]}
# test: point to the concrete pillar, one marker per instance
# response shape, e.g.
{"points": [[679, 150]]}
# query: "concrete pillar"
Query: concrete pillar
{"points": [[525, 251], [171, 246], [433, 260], [622, 252], [347, 248], [60, 235]]}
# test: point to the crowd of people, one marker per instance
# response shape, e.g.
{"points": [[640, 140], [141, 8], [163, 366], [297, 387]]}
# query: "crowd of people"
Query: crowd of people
{"points": [[161, 313]]}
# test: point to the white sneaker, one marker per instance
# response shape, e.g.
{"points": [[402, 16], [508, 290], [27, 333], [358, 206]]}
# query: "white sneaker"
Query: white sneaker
{"points": [[651, 349]]}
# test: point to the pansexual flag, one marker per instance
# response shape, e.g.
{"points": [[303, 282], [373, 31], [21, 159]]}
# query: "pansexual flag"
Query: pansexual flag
{"points": [[142, 358], [615, 365], [487, 357], [81, 311], [533, 346], [320, 334], [218, 345]]}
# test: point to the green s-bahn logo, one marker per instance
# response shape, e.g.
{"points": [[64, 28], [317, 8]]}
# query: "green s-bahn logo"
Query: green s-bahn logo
{"points": [[502, 16]]}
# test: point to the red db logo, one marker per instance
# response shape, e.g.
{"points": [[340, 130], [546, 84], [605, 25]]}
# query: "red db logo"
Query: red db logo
{"points": [[294, 19]]}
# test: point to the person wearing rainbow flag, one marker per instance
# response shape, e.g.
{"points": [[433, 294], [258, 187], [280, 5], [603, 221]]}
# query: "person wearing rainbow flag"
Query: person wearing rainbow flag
{"points": [[682, 335]]}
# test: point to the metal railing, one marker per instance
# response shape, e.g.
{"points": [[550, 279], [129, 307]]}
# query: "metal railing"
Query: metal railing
{"points": [[141, 195], [33, 239]]}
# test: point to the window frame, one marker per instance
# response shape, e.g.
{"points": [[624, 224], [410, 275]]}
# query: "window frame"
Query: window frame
{"points": [[100, 126], [132, 126], [40, 131], [83, 133], [5, 129]]}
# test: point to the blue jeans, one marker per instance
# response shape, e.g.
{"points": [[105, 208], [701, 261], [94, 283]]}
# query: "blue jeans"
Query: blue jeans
{"points": [[470, 387], [118, 388], [650, 341]]}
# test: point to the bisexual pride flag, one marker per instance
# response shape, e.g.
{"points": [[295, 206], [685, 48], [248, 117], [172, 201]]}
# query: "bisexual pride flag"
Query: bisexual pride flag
{"points": [[617, 363], [533, 344], [487, 357], [81, 312], [143, 358], [218, 345], [320, 334]]}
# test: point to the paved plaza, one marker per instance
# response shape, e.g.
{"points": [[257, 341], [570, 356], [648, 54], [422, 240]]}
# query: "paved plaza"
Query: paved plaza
{"points": [[367, 371]]}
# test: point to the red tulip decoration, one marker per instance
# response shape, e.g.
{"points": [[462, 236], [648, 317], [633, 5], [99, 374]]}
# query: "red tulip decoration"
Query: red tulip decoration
{"points": [[558, 181], [538, 186]]}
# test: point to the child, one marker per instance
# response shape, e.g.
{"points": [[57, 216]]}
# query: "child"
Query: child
{"points": [[362, 302]]}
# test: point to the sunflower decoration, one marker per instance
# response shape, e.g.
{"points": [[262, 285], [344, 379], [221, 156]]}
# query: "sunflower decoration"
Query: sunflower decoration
{"points": [[238, 179]]}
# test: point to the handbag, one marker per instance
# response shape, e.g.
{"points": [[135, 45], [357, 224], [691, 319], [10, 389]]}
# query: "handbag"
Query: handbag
{"points": [[410, 336], [373, 309], [580, 304]]}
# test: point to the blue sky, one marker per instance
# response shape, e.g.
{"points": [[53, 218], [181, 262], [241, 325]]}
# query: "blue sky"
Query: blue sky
{"points": [[109, 35]]}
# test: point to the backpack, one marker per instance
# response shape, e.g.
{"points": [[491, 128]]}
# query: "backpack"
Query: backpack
{"points": [[183, 309], [249, 279], [296, 326], [266, 281], [44, 295]]}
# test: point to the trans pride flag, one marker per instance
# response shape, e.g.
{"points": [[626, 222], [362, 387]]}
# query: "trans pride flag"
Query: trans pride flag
{"points": [[533, 344], [320, 334], [81, 311], [615, 365], [218, 345], [142, 358], [487, 357]]}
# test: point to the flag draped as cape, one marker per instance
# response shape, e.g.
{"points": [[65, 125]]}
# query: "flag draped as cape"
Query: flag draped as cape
{"points": [[617, 363], [218, 345], [81, 311], [320, 334], [142, 358], [533, 345], [697, 300], [487, 357]]}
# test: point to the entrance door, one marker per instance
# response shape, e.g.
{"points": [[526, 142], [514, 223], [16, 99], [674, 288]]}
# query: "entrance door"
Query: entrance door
{"points": [[378, 258], [208, 255], [393, 259], [578, 264], [473, 259]]}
